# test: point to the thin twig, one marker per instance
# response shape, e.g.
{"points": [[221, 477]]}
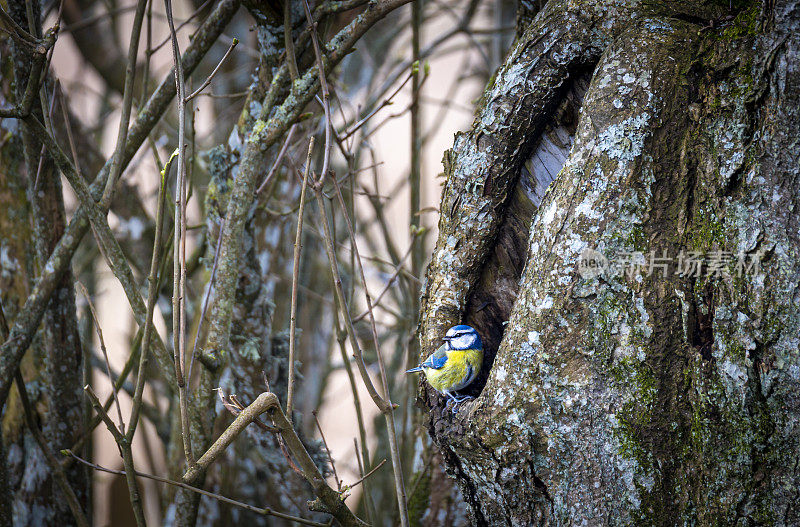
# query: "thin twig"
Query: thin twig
{"points": [[278, 159], [127, 102], [235, 95], [363, 462], [68, 126], [268, 402], [153, 283], [99, 330], [295, 281], [325, 93], [380, 218], [417, 242], [118, 385], [343, 306], [288, 41], [206, 298], [179, 247], [48, 118], [368, 474], [36, 75], [386, 102], [91, 20], [49, 123], [213, 73], [180, 26], [235, 407], [328, 450], [16, 31], [388, 410], [460, 27], [146, 68], [102, 413], [367, 497], [127, 457], [398, 269], [266, 511]]}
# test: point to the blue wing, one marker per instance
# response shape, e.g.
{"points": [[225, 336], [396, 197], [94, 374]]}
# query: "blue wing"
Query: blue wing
{"points": [[437, 360]]}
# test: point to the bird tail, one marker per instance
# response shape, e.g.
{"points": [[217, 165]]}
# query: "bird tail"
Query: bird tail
{"points": [[414, 370]]}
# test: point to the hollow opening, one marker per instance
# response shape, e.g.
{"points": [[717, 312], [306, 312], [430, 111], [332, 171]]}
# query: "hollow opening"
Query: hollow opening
{"points": [[491, 300]]}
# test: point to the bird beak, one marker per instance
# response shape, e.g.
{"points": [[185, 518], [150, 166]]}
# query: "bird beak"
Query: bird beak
{"points": [[447, 339], [414, 370]]}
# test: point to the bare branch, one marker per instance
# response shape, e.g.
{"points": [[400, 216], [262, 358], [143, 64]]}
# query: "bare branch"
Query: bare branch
{"points": [[295, 281], [152, 297], [213, 73], [103, 414], [28, 318], [388, 410], [278, 159], [179, 248], [368, 474], [206, 298], [127, 102], [326, 156], [16, 31], [103, 349], [288, 41], [127, 457], [266, 511], [268, 402], [328, 451]]}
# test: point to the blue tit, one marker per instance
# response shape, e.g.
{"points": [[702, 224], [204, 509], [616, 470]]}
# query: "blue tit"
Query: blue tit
{"points": [[455, 364]]}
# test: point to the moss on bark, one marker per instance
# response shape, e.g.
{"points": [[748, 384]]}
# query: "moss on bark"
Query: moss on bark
{"points": [[633, 397]]}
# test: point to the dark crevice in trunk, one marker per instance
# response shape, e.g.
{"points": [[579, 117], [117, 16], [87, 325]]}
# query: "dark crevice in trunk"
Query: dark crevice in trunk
{"points": [[543, 488], [468, 491], [701, 324], [692, 19], [490, 302], [758, 410]]}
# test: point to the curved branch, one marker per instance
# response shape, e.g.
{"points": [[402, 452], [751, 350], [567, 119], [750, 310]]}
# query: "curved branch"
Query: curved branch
{"points": [[268, 402]]}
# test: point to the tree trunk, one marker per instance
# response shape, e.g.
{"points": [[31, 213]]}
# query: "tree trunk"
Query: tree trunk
{"points": [[257, 469], [643, 391], [63, 372]]}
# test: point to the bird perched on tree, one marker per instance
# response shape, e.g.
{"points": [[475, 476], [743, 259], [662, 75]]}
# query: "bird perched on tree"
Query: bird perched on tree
{"points": [[455, 364]]}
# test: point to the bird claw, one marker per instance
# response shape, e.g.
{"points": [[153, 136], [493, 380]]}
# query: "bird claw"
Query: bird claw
{"points": [[456, 402]]}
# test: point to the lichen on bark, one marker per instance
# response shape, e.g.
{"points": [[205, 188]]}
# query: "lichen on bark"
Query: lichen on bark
{"points": [[630, 397]]}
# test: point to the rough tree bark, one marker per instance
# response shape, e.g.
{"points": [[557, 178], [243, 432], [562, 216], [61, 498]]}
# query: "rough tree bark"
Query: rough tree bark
{"points": [[629, 397], [240, 325], [61, 343]]}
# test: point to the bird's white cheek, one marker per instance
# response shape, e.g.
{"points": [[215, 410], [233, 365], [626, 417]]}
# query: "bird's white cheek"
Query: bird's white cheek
{"points": [[460, 343]]}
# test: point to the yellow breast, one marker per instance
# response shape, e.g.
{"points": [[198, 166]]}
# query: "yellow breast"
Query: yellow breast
{"points": [[454, 374]]}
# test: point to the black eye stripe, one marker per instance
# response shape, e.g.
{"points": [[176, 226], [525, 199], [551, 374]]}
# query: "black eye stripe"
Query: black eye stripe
{"points": [[460, 333]]}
